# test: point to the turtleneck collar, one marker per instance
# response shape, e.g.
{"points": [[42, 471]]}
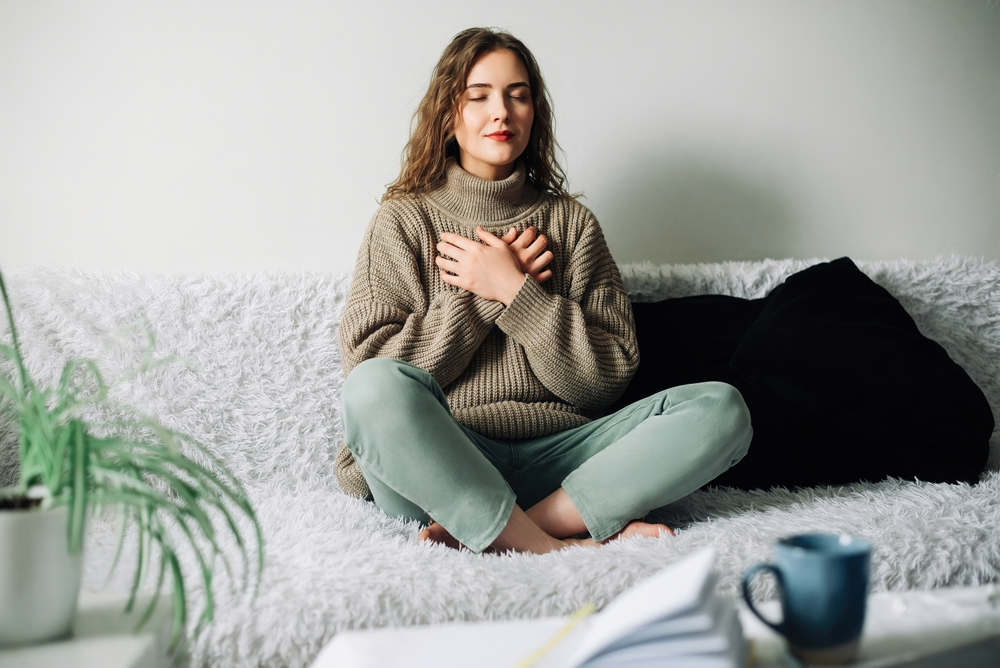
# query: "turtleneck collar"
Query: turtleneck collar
{"points": [[474, 201]]}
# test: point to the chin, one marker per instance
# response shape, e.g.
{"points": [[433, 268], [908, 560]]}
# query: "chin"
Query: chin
{"points": [[503, 161]]}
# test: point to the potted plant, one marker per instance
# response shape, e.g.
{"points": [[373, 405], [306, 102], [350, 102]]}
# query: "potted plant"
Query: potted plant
{"points": [[167, 489]]}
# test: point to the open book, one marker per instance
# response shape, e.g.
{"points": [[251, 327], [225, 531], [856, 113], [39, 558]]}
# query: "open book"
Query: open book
{"points": [[673, 618]]}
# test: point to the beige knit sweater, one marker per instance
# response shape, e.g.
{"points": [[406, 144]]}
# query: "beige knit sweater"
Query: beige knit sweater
{"points": [[561, 351]]}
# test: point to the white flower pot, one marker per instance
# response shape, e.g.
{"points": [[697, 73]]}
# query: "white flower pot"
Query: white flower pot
{"points": [[39, 580]]}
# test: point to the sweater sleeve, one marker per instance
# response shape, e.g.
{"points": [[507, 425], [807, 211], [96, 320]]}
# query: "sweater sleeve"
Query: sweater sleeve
{"points": [[582, 346], [389, 314]]}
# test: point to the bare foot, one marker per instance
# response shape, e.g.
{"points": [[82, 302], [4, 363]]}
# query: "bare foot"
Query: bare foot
{"points": [[640, 528], [522, 535], [582, 542], [633, 528], [438, 534]]}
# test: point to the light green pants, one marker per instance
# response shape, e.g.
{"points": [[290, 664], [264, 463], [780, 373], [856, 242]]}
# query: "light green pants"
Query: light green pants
{"points": [[420, 462]]}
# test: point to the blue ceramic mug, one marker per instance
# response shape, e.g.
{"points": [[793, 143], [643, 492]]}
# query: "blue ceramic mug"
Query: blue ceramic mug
{"points": [[822, 582]]}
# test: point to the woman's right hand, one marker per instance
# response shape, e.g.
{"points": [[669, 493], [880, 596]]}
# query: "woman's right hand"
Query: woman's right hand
{"points": [[488, 268], [529, 248]]}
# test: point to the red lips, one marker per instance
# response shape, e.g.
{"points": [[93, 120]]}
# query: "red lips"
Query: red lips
{"points": [[501, 135]]}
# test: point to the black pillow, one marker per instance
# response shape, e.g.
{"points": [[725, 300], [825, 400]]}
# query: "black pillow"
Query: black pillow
{"points": [[841, 385], [841, 352]]}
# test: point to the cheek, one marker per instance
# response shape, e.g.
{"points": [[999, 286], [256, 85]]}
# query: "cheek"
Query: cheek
{"points": [[465, 124], [528, 118], [461, 130], [528, 122]]}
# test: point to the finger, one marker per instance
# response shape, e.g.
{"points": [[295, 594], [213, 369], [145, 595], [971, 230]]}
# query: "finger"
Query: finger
{"points": [[526, 237], [542, 276], [454, 251], [537, 264], [541, 261], [490, 239], [447, 265], [510, 236], [457, 240], [450, 252], [448, 278], [538, 245], [536, 271]]}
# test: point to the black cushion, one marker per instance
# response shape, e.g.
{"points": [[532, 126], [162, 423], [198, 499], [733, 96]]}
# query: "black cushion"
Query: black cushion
{"points": [[840, 383]]}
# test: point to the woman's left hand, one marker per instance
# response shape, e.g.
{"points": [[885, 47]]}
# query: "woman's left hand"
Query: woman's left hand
{"points": [[529, 248], [489, 269]]}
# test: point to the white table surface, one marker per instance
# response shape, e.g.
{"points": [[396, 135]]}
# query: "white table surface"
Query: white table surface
{"points": [[102, 638], [899, 627]]}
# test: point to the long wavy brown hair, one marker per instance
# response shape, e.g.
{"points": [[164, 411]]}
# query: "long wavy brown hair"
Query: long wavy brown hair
{"points": [[432, 138]]}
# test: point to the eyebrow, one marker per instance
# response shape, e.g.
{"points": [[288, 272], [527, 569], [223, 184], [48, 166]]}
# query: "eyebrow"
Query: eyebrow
{"points": [[517, 84]]}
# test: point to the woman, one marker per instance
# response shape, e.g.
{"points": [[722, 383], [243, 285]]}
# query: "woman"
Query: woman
{"points": [[487, 327]]}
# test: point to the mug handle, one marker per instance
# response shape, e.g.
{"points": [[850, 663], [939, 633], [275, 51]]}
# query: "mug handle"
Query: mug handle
{"points": [[747, 577]]}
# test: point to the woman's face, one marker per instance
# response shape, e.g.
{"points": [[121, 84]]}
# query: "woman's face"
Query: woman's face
{"points": [[494, 123]]}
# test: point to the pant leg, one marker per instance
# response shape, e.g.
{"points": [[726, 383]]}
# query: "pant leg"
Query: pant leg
{"points": [[648, 454], [422, 462]]}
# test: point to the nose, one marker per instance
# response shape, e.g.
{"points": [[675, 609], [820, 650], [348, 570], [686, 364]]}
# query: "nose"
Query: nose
{"points": [[500, 112]]}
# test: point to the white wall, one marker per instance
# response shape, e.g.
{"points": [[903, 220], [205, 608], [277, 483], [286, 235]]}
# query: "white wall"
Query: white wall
{"points": [[213, 135]]}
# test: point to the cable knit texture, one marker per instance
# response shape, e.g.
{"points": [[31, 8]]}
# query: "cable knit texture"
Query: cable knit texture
{"points": [[562, 350]]}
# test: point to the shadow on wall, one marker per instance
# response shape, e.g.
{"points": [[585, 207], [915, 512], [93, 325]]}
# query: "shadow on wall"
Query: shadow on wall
{"points": [[682, 209]]}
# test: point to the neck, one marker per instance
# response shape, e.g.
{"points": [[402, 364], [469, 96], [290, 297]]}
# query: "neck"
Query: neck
{"points": [[484, 170]]}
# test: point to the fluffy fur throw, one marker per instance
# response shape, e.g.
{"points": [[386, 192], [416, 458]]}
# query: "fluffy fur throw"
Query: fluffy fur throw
{"points": [[262, 390]]}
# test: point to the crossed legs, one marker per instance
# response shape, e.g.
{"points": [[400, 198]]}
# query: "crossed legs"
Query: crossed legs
{"points": [[420, 462]]}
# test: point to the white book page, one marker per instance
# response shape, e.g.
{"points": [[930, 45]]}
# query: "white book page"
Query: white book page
{"points": [[691, 661], [719, 641], [677, 589], [701, 620], [722, 647], [451, 645]]}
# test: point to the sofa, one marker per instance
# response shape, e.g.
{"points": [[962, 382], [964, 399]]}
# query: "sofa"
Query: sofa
{"points": [[259, 381]]}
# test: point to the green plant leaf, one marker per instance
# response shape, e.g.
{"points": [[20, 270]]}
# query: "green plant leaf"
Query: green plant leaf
{"points": [[78, 498], [180, 597], [136, 466]]}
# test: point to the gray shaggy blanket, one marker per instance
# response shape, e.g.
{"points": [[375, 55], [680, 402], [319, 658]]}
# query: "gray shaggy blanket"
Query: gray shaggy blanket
{"points": [[262, 389]]}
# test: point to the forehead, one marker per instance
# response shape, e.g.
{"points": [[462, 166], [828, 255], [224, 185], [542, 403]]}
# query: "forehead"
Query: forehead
{"points": [[497, 68]]}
